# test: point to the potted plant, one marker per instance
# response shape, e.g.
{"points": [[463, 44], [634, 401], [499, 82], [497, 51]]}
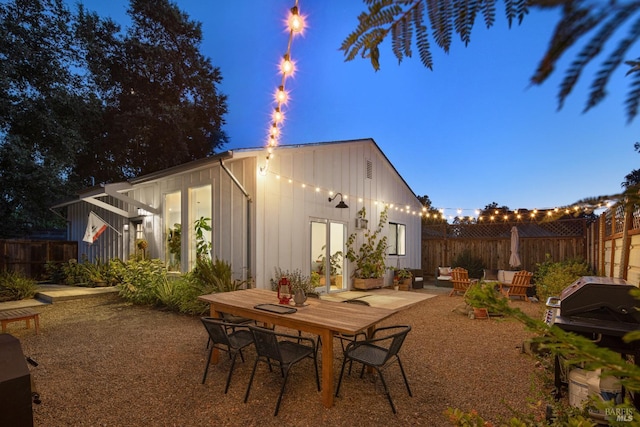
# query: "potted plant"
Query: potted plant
{"points": [[474, 296], [403, 276], [369, 257]]}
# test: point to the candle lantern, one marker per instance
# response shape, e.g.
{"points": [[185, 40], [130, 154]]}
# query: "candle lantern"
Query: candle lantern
{"points": [[284, 290]]}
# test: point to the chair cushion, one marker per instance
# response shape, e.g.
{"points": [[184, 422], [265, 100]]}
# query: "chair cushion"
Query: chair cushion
{"points": [[444, 273], [506, 276], [490, 275]]}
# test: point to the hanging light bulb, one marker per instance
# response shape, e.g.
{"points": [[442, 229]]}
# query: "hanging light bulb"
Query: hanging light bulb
{"points": [[295, 21], [286, 66], [277, 115], [281, 95]]}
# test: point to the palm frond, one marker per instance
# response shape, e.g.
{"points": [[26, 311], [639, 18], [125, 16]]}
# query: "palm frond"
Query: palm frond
{"points": [[422, 36], [633, 97], [592, 49], [488, 9], [439, 13], [574, 23], [599, 84], [464, 13]]}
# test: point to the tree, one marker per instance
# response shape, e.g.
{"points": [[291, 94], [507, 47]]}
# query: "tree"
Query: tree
{"points": [[161, 103], [81, 103], [40, 102], [406, 21]]}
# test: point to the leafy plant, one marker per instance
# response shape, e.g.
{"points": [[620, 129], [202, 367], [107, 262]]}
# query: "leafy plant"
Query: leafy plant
{"points": [[203, 247], [552, 277], [474, 265], [14, 286], [140, 279], [174, 241], [555, 341], [401, 273], [296, 279], [369, 257]]}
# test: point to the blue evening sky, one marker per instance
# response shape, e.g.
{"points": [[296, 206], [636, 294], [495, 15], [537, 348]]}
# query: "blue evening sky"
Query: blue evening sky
{"points": [[471, 132]]}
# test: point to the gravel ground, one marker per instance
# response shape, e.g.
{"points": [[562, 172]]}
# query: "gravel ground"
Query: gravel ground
{"points": [[104, 362]]}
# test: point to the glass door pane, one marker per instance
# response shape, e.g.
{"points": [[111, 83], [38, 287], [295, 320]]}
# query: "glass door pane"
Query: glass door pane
{"points": [[318, 253], [327, 255], [336, 256]]}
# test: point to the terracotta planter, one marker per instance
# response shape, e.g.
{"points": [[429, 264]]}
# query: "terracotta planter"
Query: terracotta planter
{"points": [[368, 283], [481, 313]]}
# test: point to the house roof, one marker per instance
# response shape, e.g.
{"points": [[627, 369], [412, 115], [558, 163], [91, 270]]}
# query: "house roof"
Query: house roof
{"points": [[91, 194]]}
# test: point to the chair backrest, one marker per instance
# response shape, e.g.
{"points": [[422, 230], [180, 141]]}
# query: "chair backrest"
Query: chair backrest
{"points": [[459, 274], [522, 278], [217, 330], [266, 342], [397, 341]]}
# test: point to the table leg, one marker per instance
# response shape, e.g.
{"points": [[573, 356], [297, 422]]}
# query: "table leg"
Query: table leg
{"points": [[327, 369]]}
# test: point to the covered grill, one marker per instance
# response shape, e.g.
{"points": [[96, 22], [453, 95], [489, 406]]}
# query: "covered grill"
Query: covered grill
{"points": [[601, 309]]}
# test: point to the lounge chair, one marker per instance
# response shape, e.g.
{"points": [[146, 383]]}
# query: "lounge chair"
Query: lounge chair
{"points": [[460, 280], [519, 286]]}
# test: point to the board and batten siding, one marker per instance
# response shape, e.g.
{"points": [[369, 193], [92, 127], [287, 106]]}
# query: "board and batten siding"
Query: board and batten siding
{"points": [[296, 188]]}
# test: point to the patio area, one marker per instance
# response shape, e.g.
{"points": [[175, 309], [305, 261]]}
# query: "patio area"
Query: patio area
{"points": [[105, 362]]}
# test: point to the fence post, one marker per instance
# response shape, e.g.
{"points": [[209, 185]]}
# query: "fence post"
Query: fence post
{"points": [[626, 241]]}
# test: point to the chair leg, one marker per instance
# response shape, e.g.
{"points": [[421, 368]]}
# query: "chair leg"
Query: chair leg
{"points": [[315, 365], [386, 390], [253, 372], [344, 363], [284, 383], [405, 378], [233, 362], [206, 365]]}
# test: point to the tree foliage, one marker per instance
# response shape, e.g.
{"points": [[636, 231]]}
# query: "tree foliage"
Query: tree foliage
{"points": [[411, 22], [82, 103]]}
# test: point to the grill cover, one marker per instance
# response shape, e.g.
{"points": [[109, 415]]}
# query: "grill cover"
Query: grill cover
{"points": [[603, 298]]}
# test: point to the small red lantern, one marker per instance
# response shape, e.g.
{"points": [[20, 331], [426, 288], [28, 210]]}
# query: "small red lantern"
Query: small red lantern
{"points": [[284, 291]]}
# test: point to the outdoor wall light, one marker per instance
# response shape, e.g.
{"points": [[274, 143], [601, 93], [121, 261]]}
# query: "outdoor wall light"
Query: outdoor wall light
{"points": [[341, 204]]}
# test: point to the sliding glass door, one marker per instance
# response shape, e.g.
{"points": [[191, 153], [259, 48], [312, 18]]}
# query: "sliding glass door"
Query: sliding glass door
{"points": [[327, 255]]}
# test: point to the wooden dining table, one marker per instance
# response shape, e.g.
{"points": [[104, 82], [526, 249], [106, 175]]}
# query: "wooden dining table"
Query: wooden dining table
{"points": [[318, 317]]}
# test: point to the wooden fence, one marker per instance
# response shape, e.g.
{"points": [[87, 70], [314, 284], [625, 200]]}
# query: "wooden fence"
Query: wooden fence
{"points": [[560, 240], [29, 257], [613, 245]]}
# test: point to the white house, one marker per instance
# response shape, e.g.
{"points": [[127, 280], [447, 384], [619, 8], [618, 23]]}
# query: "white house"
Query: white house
{"points": [[262, 217]]}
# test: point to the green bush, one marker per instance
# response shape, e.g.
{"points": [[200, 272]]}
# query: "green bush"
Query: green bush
{"points": [[14, 287], [140, 279], [472, 264], [551, 277]]}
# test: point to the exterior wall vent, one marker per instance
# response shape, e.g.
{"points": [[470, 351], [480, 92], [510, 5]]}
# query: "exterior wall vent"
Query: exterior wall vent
{"points": [[369, 169]]}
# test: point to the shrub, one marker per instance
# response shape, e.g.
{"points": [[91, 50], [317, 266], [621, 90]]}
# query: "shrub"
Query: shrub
{"points": [[139, 279], [472, 264], [553, 277], [14, 287]]}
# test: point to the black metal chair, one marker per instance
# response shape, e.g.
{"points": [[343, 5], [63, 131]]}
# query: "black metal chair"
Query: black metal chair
{"points": [[379, 353], [228, 337], [232, 318], [284, 350]]}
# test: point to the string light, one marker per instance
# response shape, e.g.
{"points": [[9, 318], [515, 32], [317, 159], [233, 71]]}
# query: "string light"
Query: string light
{"points": [[295, 23]]}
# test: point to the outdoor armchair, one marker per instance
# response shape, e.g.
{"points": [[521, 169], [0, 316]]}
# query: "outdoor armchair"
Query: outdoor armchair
{"points": [[460, 280], [284, 350], [379, 352], [519, 286], [228, 337]]}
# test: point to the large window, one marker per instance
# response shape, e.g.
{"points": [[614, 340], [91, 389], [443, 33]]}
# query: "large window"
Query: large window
{"points": [[200, 224], [397, 239], [172, 230]]}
